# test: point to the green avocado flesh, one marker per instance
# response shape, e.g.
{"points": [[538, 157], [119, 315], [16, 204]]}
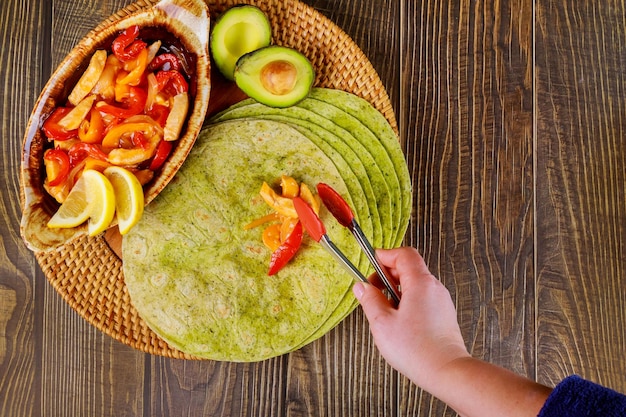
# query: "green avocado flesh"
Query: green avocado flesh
{"points": [[199, 279], [239, 30], [275, 76]]}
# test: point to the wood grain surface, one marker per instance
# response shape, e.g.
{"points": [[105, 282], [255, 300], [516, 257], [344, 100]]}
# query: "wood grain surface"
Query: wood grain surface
{"points": [[512, 118]]}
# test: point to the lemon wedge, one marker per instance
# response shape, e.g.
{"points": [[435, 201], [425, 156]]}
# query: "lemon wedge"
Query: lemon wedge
{"points": [[101, 201], [92, 199], [75, 209], [129, 199]]}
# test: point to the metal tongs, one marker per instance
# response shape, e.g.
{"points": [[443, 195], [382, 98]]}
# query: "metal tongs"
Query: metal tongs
{"points": [[344, 215], [315, 228]]}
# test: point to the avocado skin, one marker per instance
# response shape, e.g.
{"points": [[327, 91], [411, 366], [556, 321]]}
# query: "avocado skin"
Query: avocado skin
{"points": [[250, 69], [239, 30]]}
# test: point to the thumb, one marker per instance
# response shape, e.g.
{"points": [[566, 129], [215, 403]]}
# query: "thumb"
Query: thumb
{"points": [[374, 303]]}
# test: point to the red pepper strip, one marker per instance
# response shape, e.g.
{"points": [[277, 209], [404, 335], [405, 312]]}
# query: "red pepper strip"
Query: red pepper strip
{"points": [[58, 163], [134, 103], [138, 140], [53, 130], [159, 114], [126, 46], [165, 62], [92, 131], [81, 150], [162, 152], [173, 78], [286, 251]]}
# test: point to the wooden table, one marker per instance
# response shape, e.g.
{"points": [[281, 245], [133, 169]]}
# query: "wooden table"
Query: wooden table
{"points": [[513, 121]]}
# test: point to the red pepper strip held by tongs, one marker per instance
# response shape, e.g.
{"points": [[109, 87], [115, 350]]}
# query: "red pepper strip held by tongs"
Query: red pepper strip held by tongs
{"points": [[286, 251], [342, 212], [315, 228]]}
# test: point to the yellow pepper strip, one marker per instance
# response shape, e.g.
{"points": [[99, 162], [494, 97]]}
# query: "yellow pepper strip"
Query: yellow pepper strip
{"points": [[113, 136], [271, 237], [176, 117], [91, 131], [136, 67], [89, 78], [73, 119], [284, 213], [135, 156], [307, 195], [289, 187], [281, 204], [97, 164], [122, 91], [272, 217]]}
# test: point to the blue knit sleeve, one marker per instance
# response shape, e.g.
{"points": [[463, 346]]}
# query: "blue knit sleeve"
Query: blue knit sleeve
{"points": [[576, 397]]}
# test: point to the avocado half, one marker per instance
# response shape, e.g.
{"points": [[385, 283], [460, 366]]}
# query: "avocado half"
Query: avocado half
{"points": [[239, 30], [276, 76]]}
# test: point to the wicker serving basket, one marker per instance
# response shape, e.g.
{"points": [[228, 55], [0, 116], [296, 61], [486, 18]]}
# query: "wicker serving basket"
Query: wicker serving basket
{"points": [[88, 273]]}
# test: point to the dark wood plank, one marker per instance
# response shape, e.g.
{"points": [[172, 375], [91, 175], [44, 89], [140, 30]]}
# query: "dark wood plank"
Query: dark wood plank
{"points": [[217, 388], [581, 215], [342, 373], [20, 288], [374, 27], [467, 123]]}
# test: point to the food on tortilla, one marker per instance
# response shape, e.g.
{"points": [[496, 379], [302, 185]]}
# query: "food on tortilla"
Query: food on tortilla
{"points": [[350, 127], [200, 280], [283, 235]]}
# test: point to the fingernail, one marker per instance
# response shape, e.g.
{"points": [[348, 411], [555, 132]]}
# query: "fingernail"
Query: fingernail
{"points": [[358, 289]]}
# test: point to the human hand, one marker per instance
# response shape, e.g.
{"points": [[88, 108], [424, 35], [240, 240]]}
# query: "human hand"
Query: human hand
{"points": [[422, 340], [422, 335]]}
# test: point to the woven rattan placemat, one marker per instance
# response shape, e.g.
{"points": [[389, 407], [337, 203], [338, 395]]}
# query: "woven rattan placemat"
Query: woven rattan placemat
{"points": [[87, 272]]}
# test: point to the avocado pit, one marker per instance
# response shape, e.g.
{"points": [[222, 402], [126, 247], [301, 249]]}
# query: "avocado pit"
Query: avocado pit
{"points": [[279, 77]]}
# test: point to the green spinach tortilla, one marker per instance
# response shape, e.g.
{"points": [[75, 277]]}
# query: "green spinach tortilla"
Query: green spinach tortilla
{"points": [[200, 280]]}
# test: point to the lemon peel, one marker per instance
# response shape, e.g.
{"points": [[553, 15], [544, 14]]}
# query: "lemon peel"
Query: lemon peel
{"points": [[101, 200], [129, 198]]}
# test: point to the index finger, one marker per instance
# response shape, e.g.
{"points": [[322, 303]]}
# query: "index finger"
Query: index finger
{"points": [[404, 263]]}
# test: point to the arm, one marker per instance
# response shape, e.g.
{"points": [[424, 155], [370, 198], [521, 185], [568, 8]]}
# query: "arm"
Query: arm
{"points": [[422, 340]]}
